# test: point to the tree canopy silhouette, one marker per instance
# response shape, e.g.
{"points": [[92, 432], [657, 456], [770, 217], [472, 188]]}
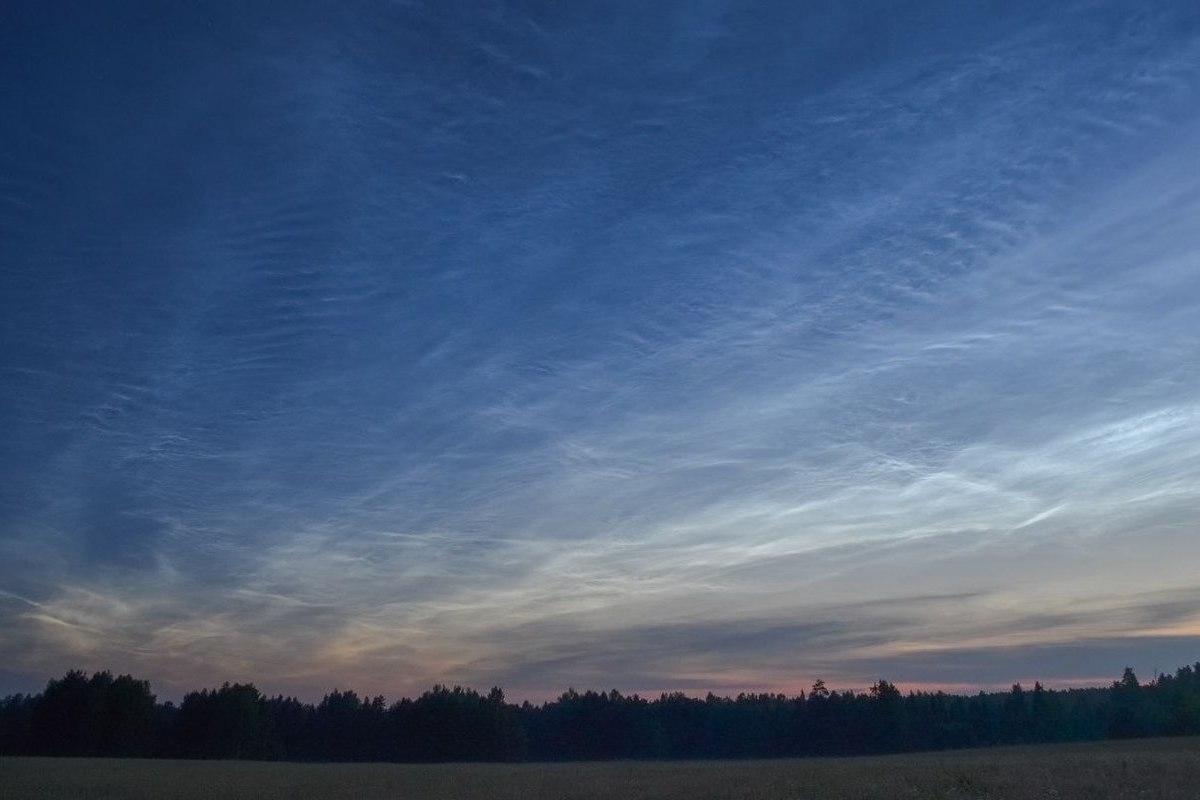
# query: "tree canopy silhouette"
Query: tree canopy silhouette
{"points": [[99, 715]]}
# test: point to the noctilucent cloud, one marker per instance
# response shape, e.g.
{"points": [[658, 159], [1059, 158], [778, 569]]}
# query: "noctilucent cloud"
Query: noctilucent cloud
{"points": [[687, 346]]}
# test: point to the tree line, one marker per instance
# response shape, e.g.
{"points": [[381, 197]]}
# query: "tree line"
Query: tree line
{"points": [[102, 715]]}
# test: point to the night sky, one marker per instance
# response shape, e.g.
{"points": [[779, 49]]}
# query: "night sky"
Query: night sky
{"points": [[708, 345]]}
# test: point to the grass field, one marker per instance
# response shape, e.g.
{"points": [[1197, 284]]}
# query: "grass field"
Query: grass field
{"points": [[1144, 769]]}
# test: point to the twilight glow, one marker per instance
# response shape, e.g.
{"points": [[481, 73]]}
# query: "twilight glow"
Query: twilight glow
{"points": [[710, 345]]}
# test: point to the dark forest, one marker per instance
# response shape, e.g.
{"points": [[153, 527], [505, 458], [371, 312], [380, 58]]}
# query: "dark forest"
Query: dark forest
{"points": [[102, 715]]}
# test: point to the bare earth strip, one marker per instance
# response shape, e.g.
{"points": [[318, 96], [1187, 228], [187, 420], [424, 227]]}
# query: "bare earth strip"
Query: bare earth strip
{"points": [[1163, 768]]}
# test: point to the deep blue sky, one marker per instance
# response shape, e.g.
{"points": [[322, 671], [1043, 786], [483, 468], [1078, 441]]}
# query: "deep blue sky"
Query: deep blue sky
{"points": [[710, 345]]}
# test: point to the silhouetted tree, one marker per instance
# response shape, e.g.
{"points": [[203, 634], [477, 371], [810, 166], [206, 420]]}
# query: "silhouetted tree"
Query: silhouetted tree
{"points": [[229, 722], [58, 726], [100, 716], [888, 718], [78, 715], [16, 711]]}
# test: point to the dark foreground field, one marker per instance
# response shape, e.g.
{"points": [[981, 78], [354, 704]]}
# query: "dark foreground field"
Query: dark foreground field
{"points": [[1162, 768]]}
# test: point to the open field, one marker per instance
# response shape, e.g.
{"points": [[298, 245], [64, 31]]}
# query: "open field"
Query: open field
{"points": [[1137, 769]]}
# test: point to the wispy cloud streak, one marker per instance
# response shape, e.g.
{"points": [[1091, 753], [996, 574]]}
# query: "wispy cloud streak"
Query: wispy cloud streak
{"points": [[504, 348]]}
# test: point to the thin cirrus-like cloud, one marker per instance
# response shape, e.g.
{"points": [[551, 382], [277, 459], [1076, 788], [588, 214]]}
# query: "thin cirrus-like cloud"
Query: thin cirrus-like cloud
{"points": [[719, 379]]}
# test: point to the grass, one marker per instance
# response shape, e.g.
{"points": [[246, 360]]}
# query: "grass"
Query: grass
{"points": [[1144, 769]]}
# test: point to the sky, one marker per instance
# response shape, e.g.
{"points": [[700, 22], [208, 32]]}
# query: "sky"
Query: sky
{"points": [[718, 345]]}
